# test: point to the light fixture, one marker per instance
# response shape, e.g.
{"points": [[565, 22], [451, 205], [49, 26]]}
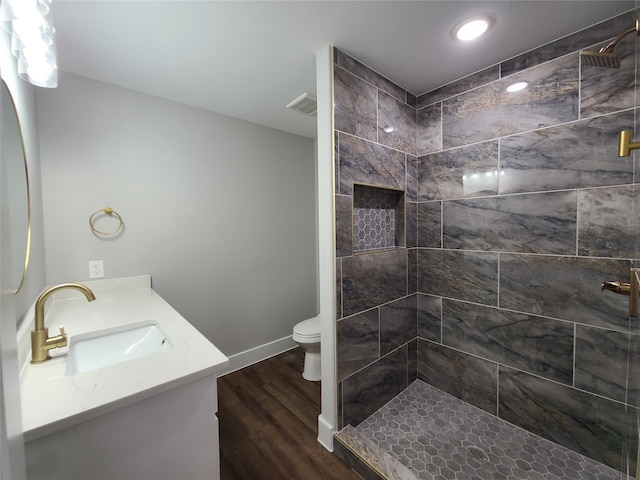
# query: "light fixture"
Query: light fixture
{"points": [[472, 28], [516, 87], [32, 39]]}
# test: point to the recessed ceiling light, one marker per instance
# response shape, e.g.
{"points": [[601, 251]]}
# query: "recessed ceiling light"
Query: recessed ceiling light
{"points": [[472, 28], [516, 87]]}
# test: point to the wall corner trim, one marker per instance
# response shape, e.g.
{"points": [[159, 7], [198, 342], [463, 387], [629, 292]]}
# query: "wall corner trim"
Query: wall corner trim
{"points": [[325, 433]]}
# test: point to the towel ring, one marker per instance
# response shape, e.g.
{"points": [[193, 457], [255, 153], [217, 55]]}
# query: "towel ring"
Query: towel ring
{"points": [[109, 212]]}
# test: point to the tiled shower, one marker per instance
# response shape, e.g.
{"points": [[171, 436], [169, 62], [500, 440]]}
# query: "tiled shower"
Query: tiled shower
{"points": [[508, 212]]}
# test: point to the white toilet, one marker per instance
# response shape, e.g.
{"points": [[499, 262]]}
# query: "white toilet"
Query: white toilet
{"points": [[307, 335]]}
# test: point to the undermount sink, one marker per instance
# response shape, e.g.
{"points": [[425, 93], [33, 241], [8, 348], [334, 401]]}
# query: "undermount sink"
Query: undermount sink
{"points": [[102, 348]]}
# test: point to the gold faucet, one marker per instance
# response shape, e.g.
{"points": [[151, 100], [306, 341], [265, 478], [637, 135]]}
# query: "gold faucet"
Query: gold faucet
{"points": [[41, 343]]}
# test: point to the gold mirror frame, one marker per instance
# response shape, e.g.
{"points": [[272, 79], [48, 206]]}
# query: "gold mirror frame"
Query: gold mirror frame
{"points": [[15, 184]]}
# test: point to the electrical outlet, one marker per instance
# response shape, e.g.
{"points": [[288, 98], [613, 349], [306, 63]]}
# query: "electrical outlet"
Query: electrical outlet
{"points": [[96, 269]]}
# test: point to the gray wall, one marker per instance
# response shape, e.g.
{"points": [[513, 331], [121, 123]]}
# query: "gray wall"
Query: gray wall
{"points": [[522, 209], [219, 211]]}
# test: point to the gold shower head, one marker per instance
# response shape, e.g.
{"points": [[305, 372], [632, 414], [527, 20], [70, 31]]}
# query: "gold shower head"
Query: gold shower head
{"points": [[600, 59], [606, 57]]}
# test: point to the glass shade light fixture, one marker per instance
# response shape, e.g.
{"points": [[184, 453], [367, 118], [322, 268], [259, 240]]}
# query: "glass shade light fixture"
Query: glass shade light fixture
{"points": [[32, 39], [472, 28]]}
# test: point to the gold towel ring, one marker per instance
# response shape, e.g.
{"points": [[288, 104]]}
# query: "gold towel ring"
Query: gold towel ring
{"points": [[109, 212]]}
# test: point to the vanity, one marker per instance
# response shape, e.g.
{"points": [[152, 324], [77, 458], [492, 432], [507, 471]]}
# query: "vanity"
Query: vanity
{"points": [[132, 396]]}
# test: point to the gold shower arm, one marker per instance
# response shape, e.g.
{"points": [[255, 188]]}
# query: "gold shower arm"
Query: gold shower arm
{"points": [[625, 145], [635, 28]]}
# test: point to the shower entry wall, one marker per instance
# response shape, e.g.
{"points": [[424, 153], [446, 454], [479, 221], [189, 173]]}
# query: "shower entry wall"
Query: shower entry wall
{"points": [[517, 210]]}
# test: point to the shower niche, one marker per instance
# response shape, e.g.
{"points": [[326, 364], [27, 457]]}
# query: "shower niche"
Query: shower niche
{"points": [[378, 218]]}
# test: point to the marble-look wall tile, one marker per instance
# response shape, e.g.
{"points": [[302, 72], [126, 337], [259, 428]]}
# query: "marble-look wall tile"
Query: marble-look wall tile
{"points": [[458, 173], [355, 105], [534, 223], [339, 402], [459, 86], [429, 228], [412, 224], [412, 99], [571, 43], [466, 377], [490, 111], [470, 276], [567, 288], [357, 68], [412, 270], [398, 323], [358, 342], [588, 424], [601, 361], [344, 225], [412, 178], [412, 363], [367, 390], [429, 129], [430, 317], [605, 90], [395, 114], [608, 222], [369, 163], [535, 344], [633, 382], [336, 161], [339, 288], [373, 279], [576, 155]]}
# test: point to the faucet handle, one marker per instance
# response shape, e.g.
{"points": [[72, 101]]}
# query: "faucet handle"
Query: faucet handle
{"points": [[61, 340]]}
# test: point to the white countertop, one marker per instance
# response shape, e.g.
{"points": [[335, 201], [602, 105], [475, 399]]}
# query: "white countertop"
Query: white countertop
{"points": [[52, 400]]}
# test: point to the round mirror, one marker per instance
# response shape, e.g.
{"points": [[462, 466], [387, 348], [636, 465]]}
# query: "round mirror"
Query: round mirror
{"points": [[15, 191]]}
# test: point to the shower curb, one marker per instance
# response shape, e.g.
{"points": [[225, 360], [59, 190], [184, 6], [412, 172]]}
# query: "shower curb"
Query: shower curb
{"points": [[367, 459]]}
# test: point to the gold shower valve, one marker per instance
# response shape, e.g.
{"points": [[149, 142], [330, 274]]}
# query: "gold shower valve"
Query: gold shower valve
{"points": [[625, 144]]}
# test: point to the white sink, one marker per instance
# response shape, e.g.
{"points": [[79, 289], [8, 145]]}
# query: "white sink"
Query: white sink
{"points": [[102, 348]]}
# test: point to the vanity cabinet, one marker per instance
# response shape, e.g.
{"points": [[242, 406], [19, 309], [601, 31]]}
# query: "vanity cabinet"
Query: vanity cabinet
{"points": [[148, 417], [171, 435]]}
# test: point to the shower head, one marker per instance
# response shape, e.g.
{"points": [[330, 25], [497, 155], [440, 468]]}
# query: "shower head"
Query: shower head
{"points": [[606, 57], [600, 59]]}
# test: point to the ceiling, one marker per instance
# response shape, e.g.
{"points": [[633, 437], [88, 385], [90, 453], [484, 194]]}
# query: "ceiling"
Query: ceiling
{"points": [[248, 59]]}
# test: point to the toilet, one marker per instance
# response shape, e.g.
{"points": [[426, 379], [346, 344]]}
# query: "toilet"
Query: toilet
{"points": [[307, 335]]}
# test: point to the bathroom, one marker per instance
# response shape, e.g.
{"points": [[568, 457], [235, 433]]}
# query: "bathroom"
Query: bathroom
{"points": [[166, 234]]}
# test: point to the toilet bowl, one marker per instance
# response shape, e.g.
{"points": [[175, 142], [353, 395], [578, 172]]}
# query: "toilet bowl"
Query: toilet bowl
{"points": [[307, 335]]}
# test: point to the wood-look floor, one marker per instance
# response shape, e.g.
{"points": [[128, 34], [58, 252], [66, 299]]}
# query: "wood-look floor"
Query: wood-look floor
{"points": [[268, 424]]}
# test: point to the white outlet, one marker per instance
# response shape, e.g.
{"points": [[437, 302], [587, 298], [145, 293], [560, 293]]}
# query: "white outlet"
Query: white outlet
{"points": [[96, 269]]}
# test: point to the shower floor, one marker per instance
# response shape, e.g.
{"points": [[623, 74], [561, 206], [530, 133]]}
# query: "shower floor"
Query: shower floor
{"points": [[439, 437]]}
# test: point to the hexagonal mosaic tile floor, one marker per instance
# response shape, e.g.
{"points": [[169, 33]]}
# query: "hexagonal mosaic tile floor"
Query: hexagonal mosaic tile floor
{"points": [[439, 437]]}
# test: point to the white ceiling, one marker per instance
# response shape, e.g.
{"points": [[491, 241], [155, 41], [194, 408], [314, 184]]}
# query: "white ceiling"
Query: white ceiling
{"points": [[249, 59]]}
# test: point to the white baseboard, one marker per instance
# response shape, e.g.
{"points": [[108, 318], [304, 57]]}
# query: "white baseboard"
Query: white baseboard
{"points": [[257, 354], [325, 433]]}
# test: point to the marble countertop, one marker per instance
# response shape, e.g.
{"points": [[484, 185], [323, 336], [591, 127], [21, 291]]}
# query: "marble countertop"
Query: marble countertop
{"points": [[52, 400]]}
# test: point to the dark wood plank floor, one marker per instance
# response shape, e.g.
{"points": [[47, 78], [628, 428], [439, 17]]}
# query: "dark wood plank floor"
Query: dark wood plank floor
{"points": [[268, 424]]}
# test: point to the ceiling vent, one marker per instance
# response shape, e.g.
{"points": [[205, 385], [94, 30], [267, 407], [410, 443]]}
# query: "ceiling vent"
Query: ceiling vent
{"points": [[305, 103]]}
